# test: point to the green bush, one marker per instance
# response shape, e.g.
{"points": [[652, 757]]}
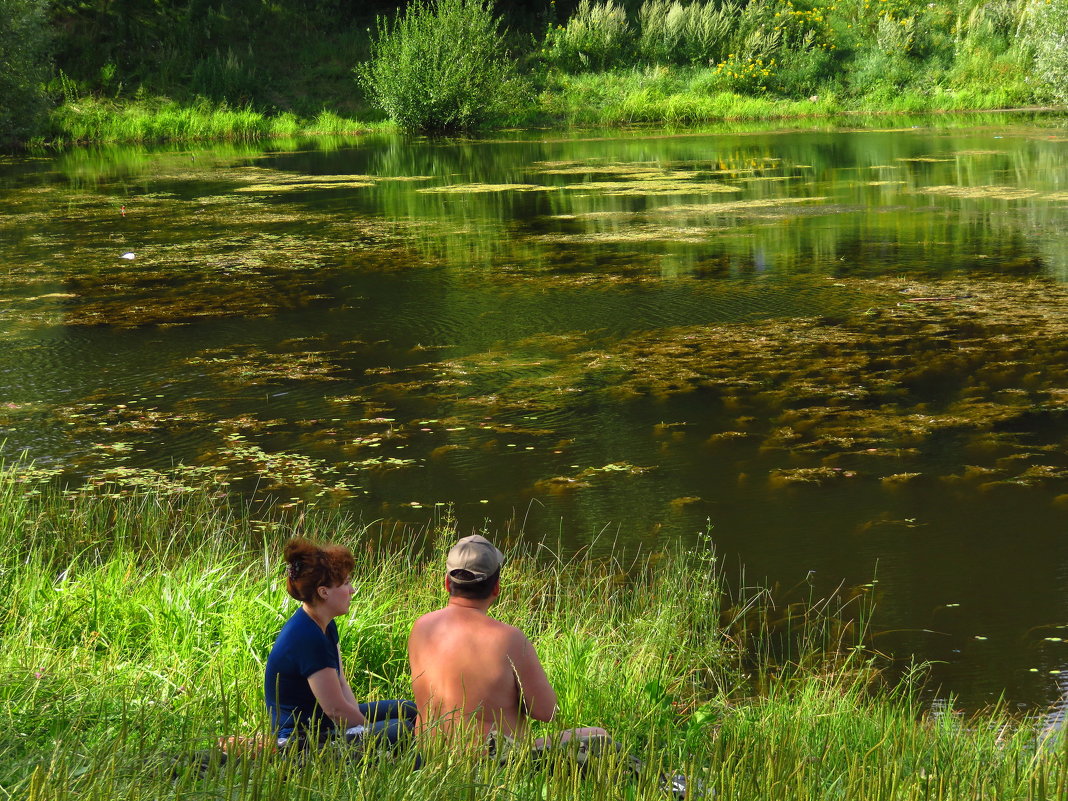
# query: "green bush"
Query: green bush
{"points": [[597, 37], [441, 67], [23, 67], [1049, 34], [804, 72]]}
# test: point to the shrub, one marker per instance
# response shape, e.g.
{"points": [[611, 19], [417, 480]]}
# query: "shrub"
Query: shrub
{"points": [[597, 37], [1049, 35], [441, 67], [23, 65], [803, 72], [744, 75]]}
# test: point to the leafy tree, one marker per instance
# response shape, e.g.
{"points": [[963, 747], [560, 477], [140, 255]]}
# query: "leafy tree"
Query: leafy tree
{"points": [[23, 67]]}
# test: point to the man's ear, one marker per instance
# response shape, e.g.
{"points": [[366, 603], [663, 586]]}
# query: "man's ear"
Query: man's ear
{"points": [[497, 588], [448, 584]]}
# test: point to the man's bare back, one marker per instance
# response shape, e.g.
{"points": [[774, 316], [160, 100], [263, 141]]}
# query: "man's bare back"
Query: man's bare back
{"points": [[472, 674], [472, 670]]}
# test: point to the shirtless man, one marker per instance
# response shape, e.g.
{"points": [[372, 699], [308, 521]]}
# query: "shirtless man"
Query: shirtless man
{"points": [[473, 675]]}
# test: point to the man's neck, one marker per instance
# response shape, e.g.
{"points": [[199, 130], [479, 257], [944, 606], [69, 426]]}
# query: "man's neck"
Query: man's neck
{"points": [[474, 605]]}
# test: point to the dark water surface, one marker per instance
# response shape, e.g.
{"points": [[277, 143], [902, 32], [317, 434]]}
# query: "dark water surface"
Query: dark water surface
{"points": [[843, 349]]}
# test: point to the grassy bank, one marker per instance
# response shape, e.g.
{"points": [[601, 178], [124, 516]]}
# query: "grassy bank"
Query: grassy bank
{"points": [[89, 120], [246, 70], [688, 95], [595, 99], [140, 625]]}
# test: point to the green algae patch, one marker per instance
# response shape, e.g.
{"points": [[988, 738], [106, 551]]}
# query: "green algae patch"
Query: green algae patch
{"points": [[652, 187], [633, 169], [734, 206], [637, 233], [252, 366], [304, 186], [975, 192], [944, 378], [467, 189]]}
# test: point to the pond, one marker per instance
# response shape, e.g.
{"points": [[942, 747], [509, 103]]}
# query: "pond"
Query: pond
{"points": [[840, 351]]}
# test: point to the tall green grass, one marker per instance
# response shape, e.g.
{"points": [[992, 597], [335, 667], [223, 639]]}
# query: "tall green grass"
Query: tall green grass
{"points": [[139, 628], [688, 96], [88, 119]]}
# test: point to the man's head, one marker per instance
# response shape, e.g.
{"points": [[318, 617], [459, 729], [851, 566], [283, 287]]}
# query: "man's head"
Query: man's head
{"points": [[473, 567]]}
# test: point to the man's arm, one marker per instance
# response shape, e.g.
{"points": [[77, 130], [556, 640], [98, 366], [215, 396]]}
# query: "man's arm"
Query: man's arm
{"points": [[536, 696]]}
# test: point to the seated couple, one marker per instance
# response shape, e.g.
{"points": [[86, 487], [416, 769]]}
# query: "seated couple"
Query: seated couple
{"points": [[476, 680]]}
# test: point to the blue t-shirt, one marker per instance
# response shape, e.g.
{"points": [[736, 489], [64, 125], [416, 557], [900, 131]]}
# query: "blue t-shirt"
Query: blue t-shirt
{"points": [[302, 648]]}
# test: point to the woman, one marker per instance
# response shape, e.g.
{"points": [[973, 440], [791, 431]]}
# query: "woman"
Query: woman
{"points": [[307, 694]]}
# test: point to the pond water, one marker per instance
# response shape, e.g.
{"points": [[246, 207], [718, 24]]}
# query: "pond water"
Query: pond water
{"points": [[842, 351]]}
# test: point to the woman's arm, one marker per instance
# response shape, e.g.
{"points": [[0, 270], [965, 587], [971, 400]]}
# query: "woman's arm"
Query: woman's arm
{"points": [[346, 688], [335, 698]]}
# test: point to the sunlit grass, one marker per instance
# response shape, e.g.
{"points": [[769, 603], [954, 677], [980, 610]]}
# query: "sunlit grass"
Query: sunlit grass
{"points": [[686, 96], [91, 120], [142, 623]]}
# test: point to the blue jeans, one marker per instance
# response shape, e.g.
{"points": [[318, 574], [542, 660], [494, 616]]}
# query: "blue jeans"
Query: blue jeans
{"points": [[391, 720]]}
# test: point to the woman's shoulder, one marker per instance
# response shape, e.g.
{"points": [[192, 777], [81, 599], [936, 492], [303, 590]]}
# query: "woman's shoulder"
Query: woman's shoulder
{"points": [[301, 626]]}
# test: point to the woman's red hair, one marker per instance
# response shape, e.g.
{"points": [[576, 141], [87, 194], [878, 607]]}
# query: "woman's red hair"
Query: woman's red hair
{"points": [[309, 567]]}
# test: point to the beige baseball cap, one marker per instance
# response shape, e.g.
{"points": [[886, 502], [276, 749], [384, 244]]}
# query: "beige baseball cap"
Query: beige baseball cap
{"points": [[477, 556]]}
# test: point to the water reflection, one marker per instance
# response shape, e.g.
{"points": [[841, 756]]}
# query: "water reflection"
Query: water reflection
{"points": [[844, 348]]}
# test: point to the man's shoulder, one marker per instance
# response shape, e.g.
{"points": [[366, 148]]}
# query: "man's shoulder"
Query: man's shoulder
{"points": [[446, 617]]}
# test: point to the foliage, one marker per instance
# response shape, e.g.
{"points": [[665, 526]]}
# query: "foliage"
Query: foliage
{"points": [[24, 48], [748, 75], [598, 36], [673, 33], [143, 622], [440, 67], [1049, 29], [90, 120]]}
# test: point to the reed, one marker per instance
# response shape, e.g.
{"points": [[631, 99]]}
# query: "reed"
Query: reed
{"points": [[143, 622]]}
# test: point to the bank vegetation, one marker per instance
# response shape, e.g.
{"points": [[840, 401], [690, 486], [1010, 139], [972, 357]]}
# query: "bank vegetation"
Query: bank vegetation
{"points": [[141, 620], [138, 70]]}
